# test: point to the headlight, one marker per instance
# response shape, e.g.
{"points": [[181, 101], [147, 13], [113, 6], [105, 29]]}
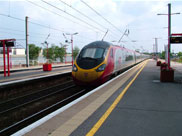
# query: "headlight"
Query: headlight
{"points": [[74, 68], [101, 68]]}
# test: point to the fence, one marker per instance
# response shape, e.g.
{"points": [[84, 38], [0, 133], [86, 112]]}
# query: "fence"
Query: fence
{"points": [[20, 61]]}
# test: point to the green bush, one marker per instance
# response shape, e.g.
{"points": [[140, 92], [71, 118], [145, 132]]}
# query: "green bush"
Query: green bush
{"points": [[180, 59]]}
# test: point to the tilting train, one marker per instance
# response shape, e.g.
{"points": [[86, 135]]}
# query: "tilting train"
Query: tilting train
{"points": [[100, 60]]}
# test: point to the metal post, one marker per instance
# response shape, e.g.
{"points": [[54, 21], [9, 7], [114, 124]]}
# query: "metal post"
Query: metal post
{"points": [[65, 56], [156, 48], [4, 57], [47, 53], [72, 48], [8, 61], [169, 32], [153, 51], [72, 43], [27, 47]]}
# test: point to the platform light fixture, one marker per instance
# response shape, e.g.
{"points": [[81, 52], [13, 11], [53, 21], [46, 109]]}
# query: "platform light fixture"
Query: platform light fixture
{"points": [[72, 42], [169, 29]]}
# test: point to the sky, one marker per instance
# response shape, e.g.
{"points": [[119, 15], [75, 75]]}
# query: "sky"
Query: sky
{"points": [[91, 19]]}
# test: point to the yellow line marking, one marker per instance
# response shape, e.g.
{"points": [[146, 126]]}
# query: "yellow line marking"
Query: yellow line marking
{"points": [[111, 108]]}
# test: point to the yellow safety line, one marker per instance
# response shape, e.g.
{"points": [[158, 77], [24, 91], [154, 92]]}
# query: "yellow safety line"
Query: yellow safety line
{"points": [[111, 108]]}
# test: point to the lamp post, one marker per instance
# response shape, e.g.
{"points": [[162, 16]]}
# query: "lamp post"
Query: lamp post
{"points": [[47, 50], [155, 48], [65, 53], [169, 30], [45, 42], [72, 43]]}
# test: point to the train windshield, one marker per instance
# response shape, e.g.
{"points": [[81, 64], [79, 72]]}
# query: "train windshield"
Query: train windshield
{"points": [[94, 53]]}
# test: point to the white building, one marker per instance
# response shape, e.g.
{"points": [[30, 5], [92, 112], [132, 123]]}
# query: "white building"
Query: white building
{"points": [[14, 51]]}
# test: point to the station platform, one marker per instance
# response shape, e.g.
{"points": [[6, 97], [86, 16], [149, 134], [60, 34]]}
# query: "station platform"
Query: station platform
{"points": [[135, 103], [32, 72]]}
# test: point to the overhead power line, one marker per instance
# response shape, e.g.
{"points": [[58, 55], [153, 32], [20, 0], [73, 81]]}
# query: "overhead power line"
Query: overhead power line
{"points": [[55, 13], [83, 14], [12, 17], [101, 16], [17, 34], [32, 22], [73, 16], [104, 19], [10, 33], [59, 15], [9, 29], [34, 33], [46, 26], [86, 16], [5, 28]]}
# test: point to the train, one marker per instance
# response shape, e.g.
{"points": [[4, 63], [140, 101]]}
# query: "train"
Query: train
{"points": [[98, 61]]}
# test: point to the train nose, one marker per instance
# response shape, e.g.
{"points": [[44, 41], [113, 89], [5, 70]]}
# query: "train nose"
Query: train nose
{"points": [[86, 75]]}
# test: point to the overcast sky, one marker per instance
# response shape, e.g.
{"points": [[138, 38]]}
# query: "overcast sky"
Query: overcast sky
{"points": [[54, 17]]}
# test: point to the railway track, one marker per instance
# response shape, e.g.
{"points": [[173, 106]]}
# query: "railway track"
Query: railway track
{"points": [[11, 91], [24, 100], [29, 108], [23, 110]]}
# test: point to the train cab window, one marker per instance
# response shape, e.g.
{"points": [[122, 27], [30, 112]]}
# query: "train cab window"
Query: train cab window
{"points": [[92, 53]]}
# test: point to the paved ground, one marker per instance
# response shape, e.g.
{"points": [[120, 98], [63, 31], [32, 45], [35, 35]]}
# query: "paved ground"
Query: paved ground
{"points": [[177, 66], [149, 108], [35, 72], [64, 123]]}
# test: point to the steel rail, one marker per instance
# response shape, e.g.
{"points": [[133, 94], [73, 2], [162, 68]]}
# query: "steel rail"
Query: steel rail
{"points": [[18, 125], [27, 97], [38, 98]]}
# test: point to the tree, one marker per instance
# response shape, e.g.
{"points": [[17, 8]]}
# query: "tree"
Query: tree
{"points": [[50, 53], [179, 54], [54, 52], [75, 52], [60, 52], [163, 55], [34, 51]]}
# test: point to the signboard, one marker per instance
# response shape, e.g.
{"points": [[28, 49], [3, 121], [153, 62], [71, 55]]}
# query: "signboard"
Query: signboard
{"points": [[1, 44], [176, 39], [8, 43]]}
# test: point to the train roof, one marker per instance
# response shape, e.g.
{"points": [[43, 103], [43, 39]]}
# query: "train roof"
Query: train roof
{"points": [[123, 48], [98, 44], [104, 44]]}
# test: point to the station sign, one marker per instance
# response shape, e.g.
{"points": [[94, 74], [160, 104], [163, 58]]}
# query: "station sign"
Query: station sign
{"points": [[1, 44], [7, 43], [10, 44], [176, 39]]}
